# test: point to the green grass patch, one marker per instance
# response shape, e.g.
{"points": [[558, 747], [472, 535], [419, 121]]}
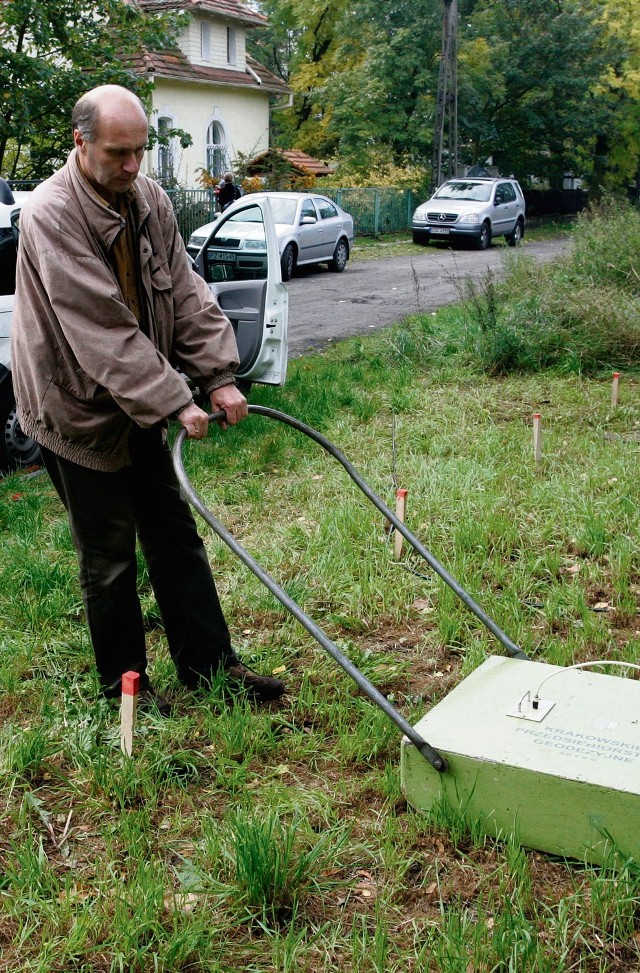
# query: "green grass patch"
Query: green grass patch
{"points": [[272, 838]]}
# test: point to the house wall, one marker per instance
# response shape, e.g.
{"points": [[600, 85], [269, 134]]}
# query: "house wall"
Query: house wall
{"points": [[241, 114], [191, 43]]}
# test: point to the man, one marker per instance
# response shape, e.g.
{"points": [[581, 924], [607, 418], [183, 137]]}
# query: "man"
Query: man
{"points": [[106, 305]]}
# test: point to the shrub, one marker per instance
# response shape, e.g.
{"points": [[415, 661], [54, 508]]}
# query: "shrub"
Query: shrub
{"points": [[581, 314]]}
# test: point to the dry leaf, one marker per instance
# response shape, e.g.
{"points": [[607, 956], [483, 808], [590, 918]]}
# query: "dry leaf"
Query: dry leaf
{"points": [[182, 902], [278, 670], [601, 606], [423, 605], [431, 887]]}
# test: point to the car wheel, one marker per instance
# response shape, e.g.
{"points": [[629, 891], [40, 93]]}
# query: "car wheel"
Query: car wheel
{"points": [[513, 239], [16, 449], [288, 262], [340, 256], [483, 241], [420, 238]]}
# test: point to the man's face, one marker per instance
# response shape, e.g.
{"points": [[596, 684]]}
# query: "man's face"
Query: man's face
{"points": [[111, 162]]}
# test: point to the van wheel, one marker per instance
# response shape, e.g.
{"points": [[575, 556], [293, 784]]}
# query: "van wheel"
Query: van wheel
{"points": [[513, 239], [16, 449], [483, 241], [288, 262]]}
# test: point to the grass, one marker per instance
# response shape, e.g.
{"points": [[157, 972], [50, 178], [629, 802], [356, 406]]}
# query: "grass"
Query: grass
{"points": [[276, 838], [399, 244]]}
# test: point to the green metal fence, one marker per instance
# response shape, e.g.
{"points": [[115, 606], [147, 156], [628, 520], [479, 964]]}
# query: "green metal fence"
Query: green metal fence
{"points": [[374, 211], [193, 208]]}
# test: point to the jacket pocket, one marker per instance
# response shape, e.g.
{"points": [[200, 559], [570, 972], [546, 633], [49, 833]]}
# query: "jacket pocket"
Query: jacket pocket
{"points": [[75, 380]]}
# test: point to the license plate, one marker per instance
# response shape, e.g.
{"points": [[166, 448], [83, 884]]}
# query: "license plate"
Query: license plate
{"points": [[222, 255], [440, 229]]}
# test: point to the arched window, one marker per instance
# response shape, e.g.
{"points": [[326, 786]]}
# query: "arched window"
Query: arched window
{"points": [[216, 149]]}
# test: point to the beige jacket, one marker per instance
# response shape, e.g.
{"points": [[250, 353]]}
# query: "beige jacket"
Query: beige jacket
{"points": [[83, 370]]}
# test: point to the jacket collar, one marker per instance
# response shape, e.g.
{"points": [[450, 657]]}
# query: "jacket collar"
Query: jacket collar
{"points": [[105, 223]]}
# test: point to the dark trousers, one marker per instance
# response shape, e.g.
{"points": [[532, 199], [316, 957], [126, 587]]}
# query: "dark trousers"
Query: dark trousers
{"points": [[106, 512]]}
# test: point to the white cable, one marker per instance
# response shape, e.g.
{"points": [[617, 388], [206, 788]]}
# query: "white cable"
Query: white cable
{"points": [[584, 665]]}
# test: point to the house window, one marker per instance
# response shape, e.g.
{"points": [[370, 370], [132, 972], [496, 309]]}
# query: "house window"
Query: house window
{"points": [[205, 41], [165, 152], [215, 150], [231, 45]]}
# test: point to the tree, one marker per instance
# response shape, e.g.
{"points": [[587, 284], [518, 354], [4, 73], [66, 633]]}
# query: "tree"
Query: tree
{"points": [[617, 147], [528, 76], [54, 50]]}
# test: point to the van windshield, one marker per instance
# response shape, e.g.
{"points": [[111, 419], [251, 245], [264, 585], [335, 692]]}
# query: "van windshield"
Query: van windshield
{"points": [[479, 192]]}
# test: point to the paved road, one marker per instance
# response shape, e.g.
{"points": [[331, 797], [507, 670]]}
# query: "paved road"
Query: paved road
{"points": [[373, 294]]}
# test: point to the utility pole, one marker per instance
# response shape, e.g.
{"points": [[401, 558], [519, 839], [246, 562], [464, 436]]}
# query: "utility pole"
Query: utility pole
{"points": [[445, 137]]}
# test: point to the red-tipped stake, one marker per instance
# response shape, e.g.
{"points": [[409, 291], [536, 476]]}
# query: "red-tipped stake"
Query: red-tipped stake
{"points": [[614, 390], [537, 437], [401, 508], [130, 689]]}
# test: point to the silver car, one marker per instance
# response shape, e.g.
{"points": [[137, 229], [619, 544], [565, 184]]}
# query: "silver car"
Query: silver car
{"points": [[474, 208], [311, 229]]}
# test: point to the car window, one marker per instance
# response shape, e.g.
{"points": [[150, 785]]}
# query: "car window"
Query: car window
{"points": [[238, 250], [326, 208], [308, 209], [509, 193], [478, 192], [284, 210]]}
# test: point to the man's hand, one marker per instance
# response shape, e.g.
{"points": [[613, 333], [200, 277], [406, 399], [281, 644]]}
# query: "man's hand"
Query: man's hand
{"points": [[230, 399], [194, 420]]}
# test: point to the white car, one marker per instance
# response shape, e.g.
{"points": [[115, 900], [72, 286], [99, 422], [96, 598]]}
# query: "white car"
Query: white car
{"points": [[257, 308], [16, 450], [311, 229]]}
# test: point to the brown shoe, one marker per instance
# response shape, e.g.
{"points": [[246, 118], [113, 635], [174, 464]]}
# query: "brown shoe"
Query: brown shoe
{"points": [[260, 687]]}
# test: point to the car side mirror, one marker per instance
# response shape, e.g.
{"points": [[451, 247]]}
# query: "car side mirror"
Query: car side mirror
{"points": [[308, 221]]}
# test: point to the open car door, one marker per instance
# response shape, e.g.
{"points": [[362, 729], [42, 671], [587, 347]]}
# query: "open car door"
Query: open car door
{"points": [[241, 264]]}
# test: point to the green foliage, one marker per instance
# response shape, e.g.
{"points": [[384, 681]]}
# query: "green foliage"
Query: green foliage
{"points": [[580, 315], [52, 52], [365, 78]]}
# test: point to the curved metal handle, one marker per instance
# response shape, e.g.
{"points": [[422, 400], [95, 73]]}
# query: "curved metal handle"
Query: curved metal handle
{"points": [[432, 756]]}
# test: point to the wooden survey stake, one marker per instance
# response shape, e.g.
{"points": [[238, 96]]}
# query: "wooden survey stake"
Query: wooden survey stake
{"points": [[614, 390], [130, 690], [401, 509], [537, 437]]}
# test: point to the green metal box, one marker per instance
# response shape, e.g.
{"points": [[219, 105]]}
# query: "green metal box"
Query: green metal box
{"points": [[562, 776]]}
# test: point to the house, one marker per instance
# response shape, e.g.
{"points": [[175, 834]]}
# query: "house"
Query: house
{"points": [[287, 168], [209, 87]]}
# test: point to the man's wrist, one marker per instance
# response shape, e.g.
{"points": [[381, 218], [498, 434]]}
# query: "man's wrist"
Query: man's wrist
{"points": [[178, 412]]}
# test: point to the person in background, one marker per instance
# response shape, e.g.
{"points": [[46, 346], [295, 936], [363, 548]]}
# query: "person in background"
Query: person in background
{"points": [[106, 305], [228, 191]]}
